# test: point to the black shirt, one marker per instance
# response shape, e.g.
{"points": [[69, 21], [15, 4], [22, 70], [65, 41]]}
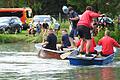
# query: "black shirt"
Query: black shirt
{"points": [[45, 25], [52, 41], [74, 22]]}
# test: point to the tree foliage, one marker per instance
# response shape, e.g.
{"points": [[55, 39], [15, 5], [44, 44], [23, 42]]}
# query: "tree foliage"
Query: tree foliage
{"points": [[110, 7]]}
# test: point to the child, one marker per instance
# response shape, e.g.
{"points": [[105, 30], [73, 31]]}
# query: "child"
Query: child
{"points": [[38, 27], [65, 40], [31, 30], [45, 28], [56, 27]]}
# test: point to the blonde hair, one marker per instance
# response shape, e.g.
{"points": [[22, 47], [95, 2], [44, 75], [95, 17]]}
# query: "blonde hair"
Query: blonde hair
{"points": [[107, 32], [89, 8]]}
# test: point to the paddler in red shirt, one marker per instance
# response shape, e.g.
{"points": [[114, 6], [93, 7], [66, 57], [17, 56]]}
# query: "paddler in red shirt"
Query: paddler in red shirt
{"points": [[107, 44], [92, 46]]}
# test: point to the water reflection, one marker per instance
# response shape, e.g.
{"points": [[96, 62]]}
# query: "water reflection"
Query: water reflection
{"points": [[107, 73], [20, 62], [17, 47], [84, 74]]}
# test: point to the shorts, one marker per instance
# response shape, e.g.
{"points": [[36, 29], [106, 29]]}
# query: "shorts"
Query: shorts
{"points": [[105, 55], [73, 33], [95, 52], [84, 32], [45, 27]]}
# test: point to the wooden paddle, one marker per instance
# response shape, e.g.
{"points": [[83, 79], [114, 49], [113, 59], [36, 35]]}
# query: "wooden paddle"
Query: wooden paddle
{"points": [[95, 56], [65, 55]]}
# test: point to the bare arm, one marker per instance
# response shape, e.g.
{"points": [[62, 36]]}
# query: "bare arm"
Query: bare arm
{"points": [[75, 18], [45, 43]]}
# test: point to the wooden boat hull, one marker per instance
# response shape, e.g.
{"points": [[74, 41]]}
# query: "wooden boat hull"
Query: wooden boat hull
{"points": [[90, 60], [47, 53]]}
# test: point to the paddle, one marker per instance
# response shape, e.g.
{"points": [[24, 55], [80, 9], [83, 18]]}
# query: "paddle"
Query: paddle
{"points": [[40, 47], [94, 56], [40, 51], [65, 55]]}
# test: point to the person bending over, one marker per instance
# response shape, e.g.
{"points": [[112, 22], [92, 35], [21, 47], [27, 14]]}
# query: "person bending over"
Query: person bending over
{"points": [[84, 26]]}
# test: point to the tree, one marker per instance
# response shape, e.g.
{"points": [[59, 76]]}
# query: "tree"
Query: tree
{"points": [[110, 7], [54, 7]]}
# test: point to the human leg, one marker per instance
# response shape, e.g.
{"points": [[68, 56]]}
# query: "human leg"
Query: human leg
{"points": [[71, 37], [84, 33], [88, 46], [82, 45], [80, 32], [44, 32], [88, 40]]}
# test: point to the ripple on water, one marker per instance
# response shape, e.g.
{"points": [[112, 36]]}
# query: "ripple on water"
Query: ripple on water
{"points": [[22, 66], [27, 66]]}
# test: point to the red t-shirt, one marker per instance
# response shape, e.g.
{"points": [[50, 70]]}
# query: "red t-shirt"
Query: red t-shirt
{"points": [[92, 46], [107, 45], [86, 18]]}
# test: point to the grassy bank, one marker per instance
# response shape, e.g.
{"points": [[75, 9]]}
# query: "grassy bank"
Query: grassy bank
{"points": [[24, 37], [21, 37]]}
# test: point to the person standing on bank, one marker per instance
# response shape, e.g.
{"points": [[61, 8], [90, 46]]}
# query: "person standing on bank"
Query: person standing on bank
{"points": [[84, 26], [45, 28], [38, 27]]}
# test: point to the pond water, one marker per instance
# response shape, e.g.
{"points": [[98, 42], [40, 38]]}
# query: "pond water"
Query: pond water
{"points": [[19, 61]]}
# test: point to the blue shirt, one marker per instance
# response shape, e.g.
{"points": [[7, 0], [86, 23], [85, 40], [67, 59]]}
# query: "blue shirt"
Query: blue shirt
{"points": [[65, 40]]}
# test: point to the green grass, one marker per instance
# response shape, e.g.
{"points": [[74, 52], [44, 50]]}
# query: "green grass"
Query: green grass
{"points": [[10, 38], [114, 34], [24, 37]]}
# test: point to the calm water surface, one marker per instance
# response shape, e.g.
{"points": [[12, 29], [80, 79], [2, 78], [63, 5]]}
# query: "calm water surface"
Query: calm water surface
{"points": [[19, 61]]}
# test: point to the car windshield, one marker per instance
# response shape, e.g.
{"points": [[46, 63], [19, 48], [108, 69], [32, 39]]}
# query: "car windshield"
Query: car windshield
{"points": [[17, 20], [4, 20], [41, 19]]}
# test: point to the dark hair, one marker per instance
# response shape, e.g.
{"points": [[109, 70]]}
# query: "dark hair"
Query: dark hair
{"points": [[70, 8], [89, 8], [50, 29]]}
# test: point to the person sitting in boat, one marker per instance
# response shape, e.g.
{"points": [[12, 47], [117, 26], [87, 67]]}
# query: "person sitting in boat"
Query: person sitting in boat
{"points": [[107, 44], [51, 40], [93, 45], [65, 40]]}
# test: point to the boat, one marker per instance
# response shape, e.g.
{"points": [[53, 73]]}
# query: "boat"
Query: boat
{"points": [[77, 60], [48, 53], [83, 60]]}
